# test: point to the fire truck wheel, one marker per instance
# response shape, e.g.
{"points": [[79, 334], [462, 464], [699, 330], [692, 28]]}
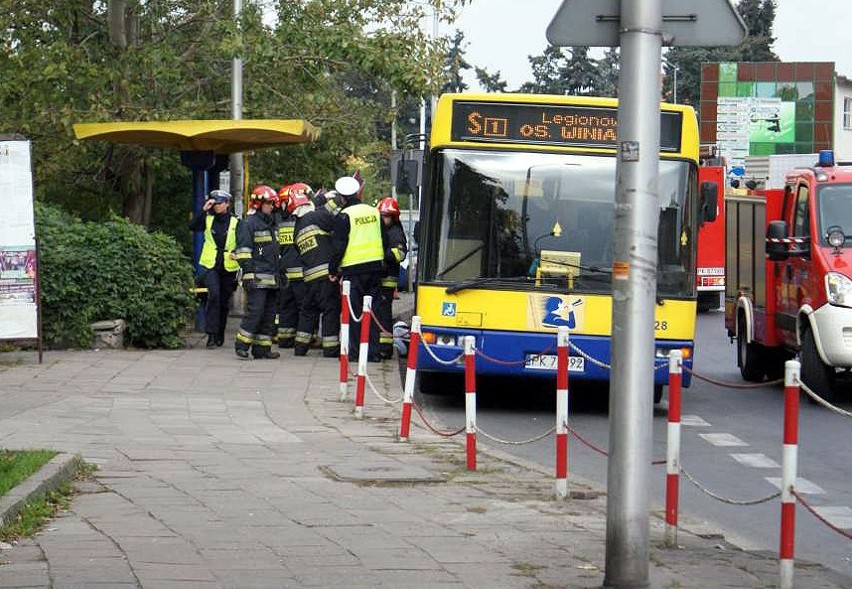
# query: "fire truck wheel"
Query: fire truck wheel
{"points": [[815, 374], [750, 356]]}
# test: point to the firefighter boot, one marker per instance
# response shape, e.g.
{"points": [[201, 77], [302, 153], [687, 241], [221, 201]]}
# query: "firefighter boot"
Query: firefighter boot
{"points": [[264, 353], [242, 350]]}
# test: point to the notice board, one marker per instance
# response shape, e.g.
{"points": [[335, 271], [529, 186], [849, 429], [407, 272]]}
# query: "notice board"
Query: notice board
{"points": [[18, 255]]}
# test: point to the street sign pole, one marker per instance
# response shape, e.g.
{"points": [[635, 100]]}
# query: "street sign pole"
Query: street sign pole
{"points": [[634, 287], [640, 27]]}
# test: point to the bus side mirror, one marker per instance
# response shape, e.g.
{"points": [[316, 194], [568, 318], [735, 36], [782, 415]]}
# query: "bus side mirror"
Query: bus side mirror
{"points": [[777, 251], [709, 202], [406, 176]]}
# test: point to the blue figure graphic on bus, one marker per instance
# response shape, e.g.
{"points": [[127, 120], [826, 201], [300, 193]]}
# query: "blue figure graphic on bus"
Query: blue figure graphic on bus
{"points": [[558, 313]]}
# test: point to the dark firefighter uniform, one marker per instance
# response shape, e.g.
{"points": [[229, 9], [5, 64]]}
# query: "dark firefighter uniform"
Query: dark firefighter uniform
{"points": [[217, 269], [322, 296], [359, 234], [292, 290], [394, 254], [257, 253]]}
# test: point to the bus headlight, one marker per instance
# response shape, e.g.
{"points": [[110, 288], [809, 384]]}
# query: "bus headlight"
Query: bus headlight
{"points": [[662, 353], [838, 289]]}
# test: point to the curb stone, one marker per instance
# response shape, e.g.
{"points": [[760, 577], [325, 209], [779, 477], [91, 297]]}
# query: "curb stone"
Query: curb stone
{"points": [[62, 468]]}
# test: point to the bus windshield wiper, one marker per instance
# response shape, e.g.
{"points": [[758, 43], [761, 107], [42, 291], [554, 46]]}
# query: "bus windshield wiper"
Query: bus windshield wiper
{"points": [[472, 282]]}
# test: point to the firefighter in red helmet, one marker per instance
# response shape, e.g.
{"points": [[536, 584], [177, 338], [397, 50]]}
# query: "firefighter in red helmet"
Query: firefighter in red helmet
{"points": [[395, 252], [322, 294], [257, 254], [292, 288]]}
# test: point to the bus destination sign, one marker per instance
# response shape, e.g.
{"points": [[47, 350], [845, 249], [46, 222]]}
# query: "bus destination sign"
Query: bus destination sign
{"points": [[500, 122]]}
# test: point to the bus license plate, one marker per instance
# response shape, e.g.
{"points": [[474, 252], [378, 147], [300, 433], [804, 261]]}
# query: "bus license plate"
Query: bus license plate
{"points": [[548, 362]]}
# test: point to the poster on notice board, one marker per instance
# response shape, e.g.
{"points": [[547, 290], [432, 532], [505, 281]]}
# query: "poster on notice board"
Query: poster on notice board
{"points": [[18, 267]]}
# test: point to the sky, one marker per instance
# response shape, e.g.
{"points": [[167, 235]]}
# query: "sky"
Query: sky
{"points": [[501, 34]]}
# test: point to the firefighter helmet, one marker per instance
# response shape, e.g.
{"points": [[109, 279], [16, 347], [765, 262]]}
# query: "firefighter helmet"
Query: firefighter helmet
{"points": [[262, 194], [283, 196], [388, 206], [297, 199], [301, 188]]}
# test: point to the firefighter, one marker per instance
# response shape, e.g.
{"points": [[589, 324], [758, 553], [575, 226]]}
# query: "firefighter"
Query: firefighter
{"points": [[360, 244], [394, 254], [257, 253], [292, 289], [322, 296], [217, 265]]}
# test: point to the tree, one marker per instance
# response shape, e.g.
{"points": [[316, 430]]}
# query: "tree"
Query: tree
{"points": [[455, 64], [571, 71], [490, 82], [608, 66], [333, 62]]}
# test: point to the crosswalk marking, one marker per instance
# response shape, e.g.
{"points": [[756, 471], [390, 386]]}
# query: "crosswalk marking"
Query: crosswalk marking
{"points": [[802, 485], [693, 420], [723, 439], [755, 460]]}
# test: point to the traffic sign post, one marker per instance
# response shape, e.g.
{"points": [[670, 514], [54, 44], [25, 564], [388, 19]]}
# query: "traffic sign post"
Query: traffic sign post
{"points": [[640, 27]]}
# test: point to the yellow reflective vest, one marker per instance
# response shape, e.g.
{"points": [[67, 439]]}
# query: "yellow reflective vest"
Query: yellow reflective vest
{"points": [[208, 252], [365, 236]]}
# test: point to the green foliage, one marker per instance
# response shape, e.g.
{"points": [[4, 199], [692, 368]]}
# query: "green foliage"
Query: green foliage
{"points": [[16, 466], [110, 270], [34, 514], [332, 62]]}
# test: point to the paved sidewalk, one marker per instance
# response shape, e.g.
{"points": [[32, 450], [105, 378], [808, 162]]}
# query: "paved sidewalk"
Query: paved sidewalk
{"points": [[216, 472]]}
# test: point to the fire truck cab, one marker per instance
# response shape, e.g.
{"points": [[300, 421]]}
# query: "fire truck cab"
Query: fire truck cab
{"points": [[789, 276]]}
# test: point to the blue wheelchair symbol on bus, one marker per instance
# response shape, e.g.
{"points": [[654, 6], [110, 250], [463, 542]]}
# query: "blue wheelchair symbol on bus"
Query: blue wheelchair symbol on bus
{"points": [[448, 310]]}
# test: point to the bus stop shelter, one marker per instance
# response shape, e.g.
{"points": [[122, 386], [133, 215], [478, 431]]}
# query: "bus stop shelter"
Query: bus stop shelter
{"points": [[204, 145]]}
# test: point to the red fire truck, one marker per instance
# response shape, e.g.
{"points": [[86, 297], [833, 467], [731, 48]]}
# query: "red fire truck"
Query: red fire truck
{"points": [[789, 277], [710, 263]]}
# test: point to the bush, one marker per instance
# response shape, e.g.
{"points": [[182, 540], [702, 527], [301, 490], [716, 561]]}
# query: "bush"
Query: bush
{"points": [[111, 270]]}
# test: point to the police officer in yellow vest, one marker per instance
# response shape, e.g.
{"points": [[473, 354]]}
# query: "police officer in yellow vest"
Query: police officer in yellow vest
{"points": [[360, 241], [217, 265]]}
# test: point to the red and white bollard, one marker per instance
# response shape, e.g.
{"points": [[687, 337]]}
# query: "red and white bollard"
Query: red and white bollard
{"points": [[344, 339], [410, 375], [470, 399], [562, 413], [363, 350], [673, 447], [788, 472]]}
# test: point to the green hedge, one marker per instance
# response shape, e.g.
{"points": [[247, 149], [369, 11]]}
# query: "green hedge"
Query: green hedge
{"points": [[110, 270]]}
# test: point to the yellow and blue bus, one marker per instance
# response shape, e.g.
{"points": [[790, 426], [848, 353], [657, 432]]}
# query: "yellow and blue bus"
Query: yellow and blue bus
{"points": [[516, 233]]}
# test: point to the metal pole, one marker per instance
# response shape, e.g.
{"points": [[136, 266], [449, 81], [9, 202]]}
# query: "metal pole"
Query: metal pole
{"points": [[434, 99], [236, 159], [634, 291], [393, 135], [674, 85]]}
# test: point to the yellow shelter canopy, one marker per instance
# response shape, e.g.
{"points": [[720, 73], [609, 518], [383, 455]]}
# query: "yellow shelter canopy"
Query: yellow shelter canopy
{"points": [[218, 136]]}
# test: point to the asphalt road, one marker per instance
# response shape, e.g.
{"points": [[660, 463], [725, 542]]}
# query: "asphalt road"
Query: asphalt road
{"points": [[749, 421]]}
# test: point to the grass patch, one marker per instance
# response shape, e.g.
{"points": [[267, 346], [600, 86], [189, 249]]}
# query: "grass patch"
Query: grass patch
{"points": [[33, 515], [17, 465]]}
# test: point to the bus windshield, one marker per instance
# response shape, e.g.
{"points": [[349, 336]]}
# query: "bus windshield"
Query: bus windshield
{"points": [[526, 220]]}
